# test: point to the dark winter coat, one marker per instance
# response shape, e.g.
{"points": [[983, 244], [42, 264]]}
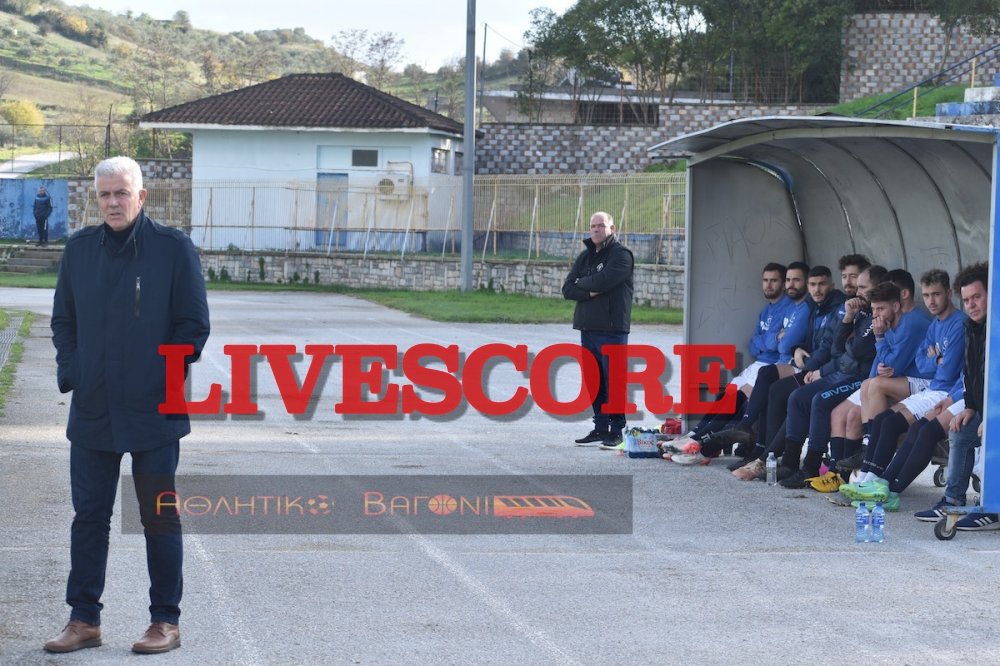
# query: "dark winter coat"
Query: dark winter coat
{"points": [[608, 272], [975, 364], [42, 207], [115, 304]]}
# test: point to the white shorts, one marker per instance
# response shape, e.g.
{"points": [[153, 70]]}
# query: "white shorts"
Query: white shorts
{"points": [[956, 407], [855, 398], [749, 375], [923, 402], [918, 384]]}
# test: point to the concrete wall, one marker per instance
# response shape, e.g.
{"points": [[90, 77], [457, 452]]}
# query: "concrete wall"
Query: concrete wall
{"points": [[659, 286], [554, 148], [890, 51]]}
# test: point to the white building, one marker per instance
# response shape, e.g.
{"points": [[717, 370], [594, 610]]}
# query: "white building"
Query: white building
{"points": [[318, 161]]}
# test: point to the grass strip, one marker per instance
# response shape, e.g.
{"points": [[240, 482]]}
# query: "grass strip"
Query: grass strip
{"points": [[9, 369]]}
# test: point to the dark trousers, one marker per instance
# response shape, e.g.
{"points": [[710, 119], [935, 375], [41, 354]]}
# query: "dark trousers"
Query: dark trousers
{"points": [[94, 484], [42, 225], [592, 341], [809, 410]]}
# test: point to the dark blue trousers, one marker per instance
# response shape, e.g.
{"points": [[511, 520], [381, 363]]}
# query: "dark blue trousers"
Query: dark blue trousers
{"points": [[94, 484], [592, 341]]}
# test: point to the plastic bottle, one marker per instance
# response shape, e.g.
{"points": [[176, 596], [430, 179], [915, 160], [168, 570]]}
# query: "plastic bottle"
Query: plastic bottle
{"points": [[772, 469], [878, 523], [862, 525]]}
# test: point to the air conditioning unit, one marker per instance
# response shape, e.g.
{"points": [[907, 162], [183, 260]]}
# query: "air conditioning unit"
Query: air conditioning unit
{"points": [[394, 185]]}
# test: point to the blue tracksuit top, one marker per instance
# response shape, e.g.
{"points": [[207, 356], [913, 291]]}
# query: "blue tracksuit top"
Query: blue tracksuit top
{"points": [[764, 342], [796, 327], [947, 337], [957, 391], [898, 347]]}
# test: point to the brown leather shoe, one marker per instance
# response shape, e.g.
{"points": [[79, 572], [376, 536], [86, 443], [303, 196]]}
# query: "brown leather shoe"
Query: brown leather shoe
{"points": [[76, 635], [160, 637]]}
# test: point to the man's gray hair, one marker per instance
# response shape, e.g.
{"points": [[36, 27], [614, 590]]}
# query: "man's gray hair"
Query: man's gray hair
{"points": [[120, 166], [608, 220]]}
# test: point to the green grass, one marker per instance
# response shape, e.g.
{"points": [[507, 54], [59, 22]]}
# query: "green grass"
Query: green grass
{"points": [[31, 280], [926, 102], [449, 306], [9, 370]]}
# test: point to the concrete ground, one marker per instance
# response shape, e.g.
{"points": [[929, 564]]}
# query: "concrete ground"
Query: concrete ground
{"points": [[716, 570]]}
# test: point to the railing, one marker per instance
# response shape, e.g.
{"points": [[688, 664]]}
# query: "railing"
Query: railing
{"points": [[529, 217], [908, 95]]}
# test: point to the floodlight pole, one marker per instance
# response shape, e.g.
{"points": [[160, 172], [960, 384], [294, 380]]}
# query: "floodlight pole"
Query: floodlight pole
{"points": [[468, 146]]}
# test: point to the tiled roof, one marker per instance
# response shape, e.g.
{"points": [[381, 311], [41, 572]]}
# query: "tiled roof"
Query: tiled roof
{"points": [[306, 100]]}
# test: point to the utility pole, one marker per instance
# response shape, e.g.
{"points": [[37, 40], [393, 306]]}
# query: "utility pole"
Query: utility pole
{"points": [[482, 78], [469, 147]]}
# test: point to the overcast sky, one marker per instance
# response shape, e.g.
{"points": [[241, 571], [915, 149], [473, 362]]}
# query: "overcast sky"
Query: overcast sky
{"points": [[434, 32]]}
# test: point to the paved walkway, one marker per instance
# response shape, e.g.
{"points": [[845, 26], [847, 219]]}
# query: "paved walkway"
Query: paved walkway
{"points": [[716, 571]]}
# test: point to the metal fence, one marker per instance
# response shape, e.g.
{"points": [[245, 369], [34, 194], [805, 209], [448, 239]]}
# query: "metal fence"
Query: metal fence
{"points": [[517, 216]]}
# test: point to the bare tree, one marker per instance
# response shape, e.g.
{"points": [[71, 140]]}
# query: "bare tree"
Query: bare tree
{"points": [[384, 51], [349, 45]]}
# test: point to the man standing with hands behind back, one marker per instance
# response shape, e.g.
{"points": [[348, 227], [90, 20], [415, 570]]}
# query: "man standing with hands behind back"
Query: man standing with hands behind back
{"points": [[124, 288], [41, 209], [601, 284]]}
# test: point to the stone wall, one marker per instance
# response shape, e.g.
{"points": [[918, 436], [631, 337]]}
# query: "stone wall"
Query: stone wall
{"points": [[659, 286], [890, 51], [78, 189], [576, 149]]}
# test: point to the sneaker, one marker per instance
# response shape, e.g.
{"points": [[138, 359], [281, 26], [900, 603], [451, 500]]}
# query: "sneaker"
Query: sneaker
{"points": [[783, 472], [891, 503], [686, 445], [876, 490], [741, 462], [612, 442], [827, 483], [754, 469], [976, 522], [689, 459], [935, 513], [796, 480], [592, 438], [854, 462]]}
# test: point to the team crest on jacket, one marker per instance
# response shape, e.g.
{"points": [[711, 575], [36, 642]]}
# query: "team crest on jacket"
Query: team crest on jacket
{"points": [[600, 266]]}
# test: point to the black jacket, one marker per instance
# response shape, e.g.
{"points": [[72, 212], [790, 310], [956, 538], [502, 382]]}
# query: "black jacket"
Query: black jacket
{"points": [[975, 364], [115, 303], [824, 324], [608, 272], [42, 207], [854, 347]]}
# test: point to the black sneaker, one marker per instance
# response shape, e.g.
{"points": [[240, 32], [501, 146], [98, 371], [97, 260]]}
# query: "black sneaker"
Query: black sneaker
{"points": [[611, 442], [854, 462], [783, 472], [592, 438], [796, 480]]}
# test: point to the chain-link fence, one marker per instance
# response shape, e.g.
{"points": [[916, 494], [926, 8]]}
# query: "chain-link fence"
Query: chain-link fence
{"points": [[516, 216]]}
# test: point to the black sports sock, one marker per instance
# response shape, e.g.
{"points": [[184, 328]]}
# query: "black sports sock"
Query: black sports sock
{"points": [[811, 463], [793, 451]]}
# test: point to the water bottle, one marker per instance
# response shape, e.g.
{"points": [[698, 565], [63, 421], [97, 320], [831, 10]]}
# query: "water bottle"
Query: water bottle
{"points": [[878, 523], [772, 470], [862, 525]]}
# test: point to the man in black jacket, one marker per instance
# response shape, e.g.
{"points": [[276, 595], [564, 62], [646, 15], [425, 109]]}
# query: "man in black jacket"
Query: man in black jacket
{"points": [[41, 209], [966, 426], [124, 288], [601, 284]]}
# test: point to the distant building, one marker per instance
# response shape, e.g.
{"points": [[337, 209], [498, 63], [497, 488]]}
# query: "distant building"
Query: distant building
{"points": [[318, 153]]}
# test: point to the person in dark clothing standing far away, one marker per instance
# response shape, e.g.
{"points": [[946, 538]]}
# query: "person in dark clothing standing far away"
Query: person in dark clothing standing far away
{"points": [[601, 284], [41, 209], [124, 288]]}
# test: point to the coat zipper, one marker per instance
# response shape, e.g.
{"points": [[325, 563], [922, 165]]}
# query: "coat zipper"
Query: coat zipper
{"points": [[138, 294]]}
